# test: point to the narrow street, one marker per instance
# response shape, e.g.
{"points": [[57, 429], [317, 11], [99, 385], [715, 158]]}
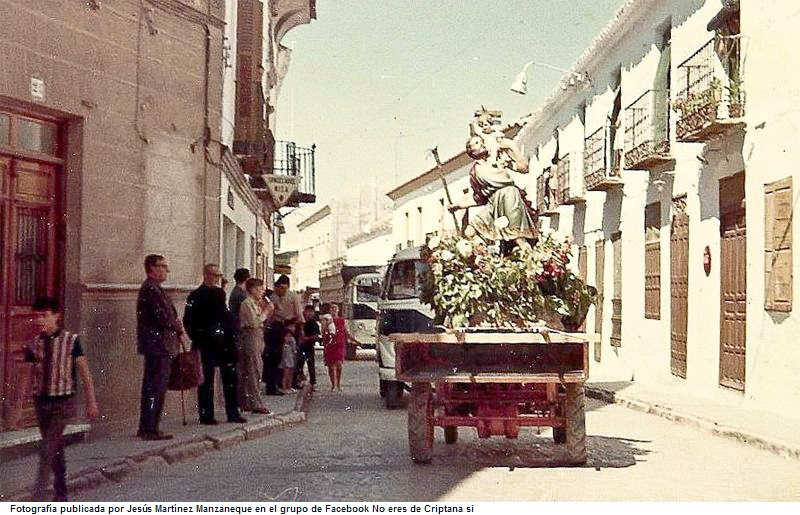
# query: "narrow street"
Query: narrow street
{"points": [[353, 449]]}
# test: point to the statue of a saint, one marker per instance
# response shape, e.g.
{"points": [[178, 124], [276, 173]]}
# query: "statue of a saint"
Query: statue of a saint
{"points": [[505, 212]]}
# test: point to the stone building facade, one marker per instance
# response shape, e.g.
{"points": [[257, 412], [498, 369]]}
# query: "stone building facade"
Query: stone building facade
{"points": [[111, 148]]}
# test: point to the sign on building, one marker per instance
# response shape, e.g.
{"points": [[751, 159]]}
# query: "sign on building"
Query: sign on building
{"points": [[281, 187]]}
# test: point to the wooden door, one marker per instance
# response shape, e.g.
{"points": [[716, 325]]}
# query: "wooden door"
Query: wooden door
{"points": [[616, 299], [582, 272], [679, 287], [599, 270], [28, 210], [733, 283]]}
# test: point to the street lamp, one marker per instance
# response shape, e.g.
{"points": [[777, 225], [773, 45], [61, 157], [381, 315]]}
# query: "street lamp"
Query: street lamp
{"points": [[520, 84]]}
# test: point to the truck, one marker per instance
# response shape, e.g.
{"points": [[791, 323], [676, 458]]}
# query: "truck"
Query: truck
{"points": [[355, 289]]}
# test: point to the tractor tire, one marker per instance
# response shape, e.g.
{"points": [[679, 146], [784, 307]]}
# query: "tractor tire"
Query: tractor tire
{"points": [[576, 424], [420, 423], [560, 434], [394, 394], [382, 388], [450, 434]]}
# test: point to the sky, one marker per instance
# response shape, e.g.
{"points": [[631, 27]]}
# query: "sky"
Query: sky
{"points": [[375, 84]]}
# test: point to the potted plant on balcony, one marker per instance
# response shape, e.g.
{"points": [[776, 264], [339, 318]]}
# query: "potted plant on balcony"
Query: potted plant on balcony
{"points": [[735, 97]]}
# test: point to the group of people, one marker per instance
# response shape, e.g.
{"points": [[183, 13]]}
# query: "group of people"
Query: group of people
{"points": [[257, 336]]}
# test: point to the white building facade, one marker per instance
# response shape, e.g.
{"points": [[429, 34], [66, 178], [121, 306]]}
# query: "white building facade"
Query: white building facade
{"points": [[673, 174]]}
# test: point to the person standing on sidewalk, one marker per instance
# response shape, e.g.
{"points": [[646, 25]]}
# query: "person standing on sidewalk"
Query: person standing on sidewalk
{"points": [[208, 323], [237, 296], [255, 310], [158, 333], [55, 354], [288, 311], [305, 349]]}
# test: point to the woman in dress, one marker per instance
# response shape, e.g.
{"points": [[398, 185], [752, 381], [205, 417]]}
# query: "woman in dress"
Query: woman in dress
{"points": [[335, 341], [255, 309]]}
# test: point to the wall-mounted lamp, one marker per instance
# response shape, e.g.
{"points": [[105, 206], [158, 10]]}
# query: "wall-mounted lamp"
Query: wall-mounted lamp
{"points": [[573, 79]]}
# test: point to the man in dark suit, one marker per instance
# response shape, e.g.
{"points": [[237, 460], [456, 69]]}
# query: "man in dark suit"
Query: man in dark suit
{"points": [[209, 325], [158, 338]]}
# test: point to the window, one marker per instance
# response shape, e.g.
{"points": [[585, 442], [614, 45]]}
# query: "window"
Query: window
{"points": [[5, 129], [778, 245], [616, 299], [652, 261], [36, 136], [406, 279]]}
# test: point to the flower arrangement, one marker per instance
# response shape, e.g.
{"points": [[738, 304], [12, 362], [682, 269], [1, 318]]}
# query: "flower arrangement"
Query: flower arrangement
{"points": [[469, 285]]}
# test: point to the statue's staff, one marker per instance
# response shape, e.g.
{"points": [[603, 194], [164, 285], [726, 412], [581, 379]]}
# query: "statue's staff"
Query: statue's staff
{"points": [[435, 153]]}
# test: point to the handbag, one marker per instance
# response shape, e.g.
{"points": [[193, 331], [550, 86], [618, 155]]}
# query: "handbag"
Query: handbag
{"points": [[186, 371]]}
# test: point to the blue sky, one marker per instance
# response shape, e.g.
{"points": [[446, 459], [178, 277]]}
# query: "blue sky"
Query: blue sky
{"points": [[376, 83]]}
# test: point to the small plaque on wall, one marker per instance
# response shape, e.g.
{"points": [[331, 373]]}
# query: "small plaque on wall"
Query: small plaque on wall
{"points": [[37, 89]]}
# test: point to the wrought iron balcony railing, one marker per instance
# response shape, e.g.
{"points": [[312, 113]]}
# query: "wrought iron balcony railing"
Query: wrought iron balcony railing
{"points": [[711, 96], [647, 130], [598, 173], [568, 191], [293, 161], [546, 196]]}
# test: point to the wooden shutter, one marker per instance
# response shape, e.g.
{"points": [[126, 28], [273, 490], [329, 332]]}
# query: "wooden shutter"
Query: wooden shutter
{"points": [[778, 245], [652, 261], [616, 299]]}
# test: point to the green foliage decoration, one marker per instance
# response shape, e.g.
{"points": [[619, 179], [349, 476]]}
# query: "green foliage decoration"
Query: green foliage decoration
{"points": [[468, 285]]}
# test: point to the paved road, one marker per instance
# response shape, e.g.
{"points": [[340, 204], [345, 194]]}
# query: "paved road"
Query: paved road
{"points": [[352, 449]]}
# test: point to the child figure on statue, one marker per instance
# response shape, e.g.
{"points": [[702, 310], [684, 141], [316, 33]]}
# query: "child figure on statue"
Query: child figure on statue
{"points": [[483, 126]]}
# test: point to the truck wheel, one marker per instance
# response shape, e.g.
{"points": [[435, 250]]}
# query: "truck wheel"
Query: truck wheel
{"points": [[576, 424], [450, 434], [420, 423], [394, 394], [350, 353], [382, 387], [559, 434]]}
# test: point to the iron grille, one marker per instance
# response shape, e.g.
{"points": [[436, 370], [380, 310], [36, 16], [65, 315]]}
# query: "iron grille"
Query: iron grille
{"points": [[647, 127], [293, 161]]}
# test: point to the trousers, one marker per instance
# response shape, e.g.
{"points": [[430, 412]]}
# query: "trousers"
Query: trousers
{"points": [[52, 415], [305, 355], [154, 388], [205, 392]]}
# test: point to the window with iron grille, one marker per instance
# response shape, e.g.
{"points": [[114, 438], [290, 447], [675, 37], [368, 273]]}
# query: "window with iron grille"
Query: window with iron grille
{"points": [[616, 299], [652, 261], [778, 245]]}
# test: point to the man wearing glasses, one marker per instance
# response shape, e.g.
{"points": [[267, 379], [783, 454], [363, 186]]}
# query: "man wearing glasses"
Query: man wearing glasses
{"points": [[210, 327], [158, 340]]}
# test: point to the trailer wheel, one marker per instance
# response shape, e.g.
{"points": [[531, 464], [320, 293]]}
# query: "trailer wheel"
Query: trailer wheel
{"points": [[559, 435], [420, 423], [576, 424], [450, 434], [394, 394], [382, 387]]}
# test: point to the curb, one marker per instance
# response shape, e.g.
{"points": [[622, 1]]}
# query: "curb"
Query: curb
{"points": [[732, 433], [177, 452]]}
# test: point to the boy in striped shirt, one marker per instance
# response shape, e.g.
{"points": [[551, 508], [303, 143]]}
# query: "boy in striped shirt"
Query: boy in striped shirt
{"points": [[55, 356]]}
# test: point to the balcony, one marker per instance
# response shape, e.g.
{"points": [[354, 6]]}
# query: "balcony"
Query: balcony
{"points": [[598, 175], [546, 201], [711, 100], [647, 131], [566, 193], [291, 182]]}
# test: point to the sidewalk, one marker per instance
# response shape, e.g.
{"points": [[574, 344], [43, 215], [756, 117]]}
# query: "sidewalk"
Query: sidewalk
{"points": [[114, 456], [731, 418]]}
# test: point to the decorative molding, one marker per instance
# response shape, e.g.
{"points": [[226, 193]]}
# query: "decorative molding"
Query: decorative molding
{"points": [[316, 217]]}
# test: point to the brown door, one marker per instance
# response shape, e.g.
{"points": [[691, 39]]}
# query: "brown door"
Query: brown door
{"points": [[733, 287], [582, 272], [599, 260], [616, 299], [28, 213], [679, 287]]}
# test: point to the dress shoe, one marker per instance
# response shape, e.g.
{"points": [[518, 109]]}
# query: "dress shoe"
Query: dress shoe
{"points": [[276, 392], [158, 435], [262, 411], [238, 420], [210, 422]]}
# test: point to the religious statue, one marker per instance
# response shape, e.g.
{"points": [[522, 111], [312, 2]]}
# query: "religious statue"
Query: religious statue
{"points": [[505, 213]]}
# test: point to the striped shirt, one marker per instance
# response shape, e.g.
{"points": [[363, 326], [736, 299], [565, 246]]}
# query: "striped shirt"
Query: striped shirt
{"points": [[53, 357]]}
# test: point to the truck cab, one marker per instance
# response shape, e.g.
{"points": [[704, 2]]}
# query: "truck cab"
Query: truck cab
{"points": [[360, 308], [400, 310]]}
